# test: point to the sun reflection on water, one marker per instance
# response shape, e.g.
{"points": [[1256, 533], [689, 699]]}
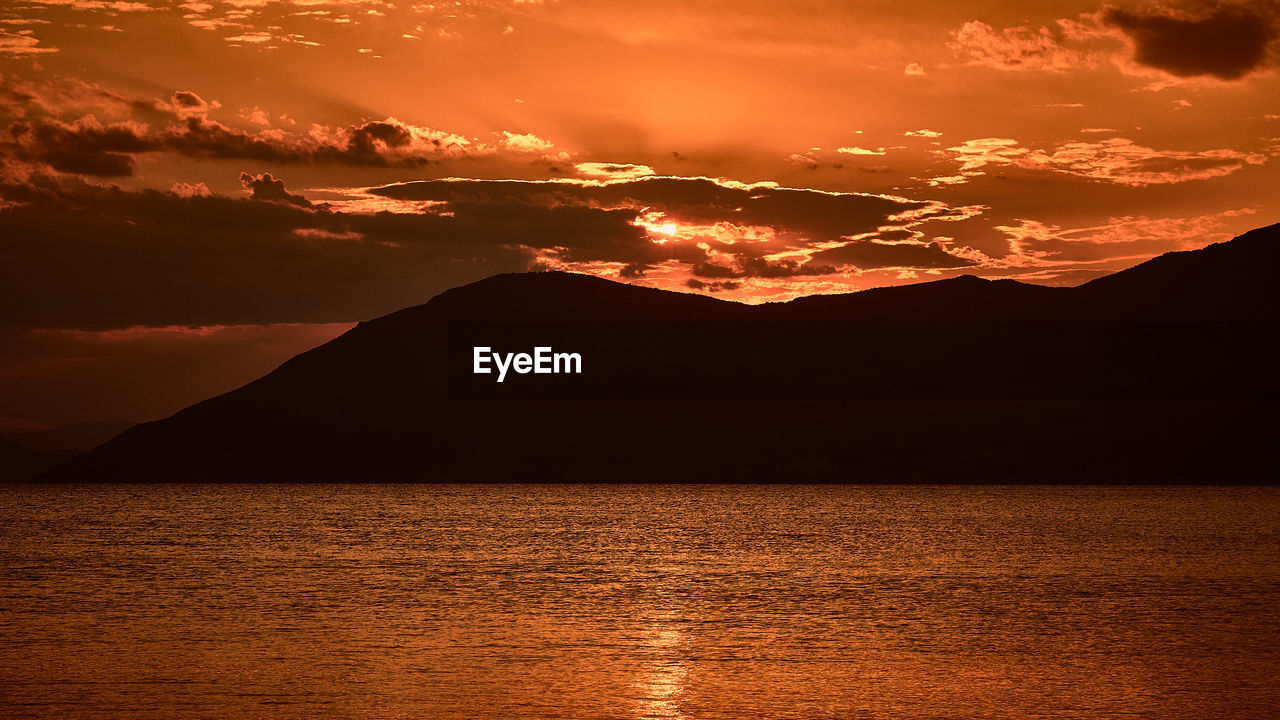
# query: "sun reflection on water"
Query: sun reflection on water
{"points": [[660, 689]]}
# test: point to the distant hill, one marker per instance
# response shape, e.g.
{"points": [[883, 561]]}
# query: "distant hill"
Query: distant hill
{"points": [[19, 463], [1162, 373], [25, 454], [80, 437]]}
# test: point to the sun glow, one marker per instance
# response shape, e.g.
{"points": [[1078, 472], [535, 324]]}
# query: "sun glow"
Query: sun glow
{"points": [[656, 224]]}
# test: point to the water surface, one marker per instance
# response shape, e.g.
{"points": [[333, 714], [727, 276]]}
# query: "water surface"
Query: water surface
{"points": [[455, 601]]}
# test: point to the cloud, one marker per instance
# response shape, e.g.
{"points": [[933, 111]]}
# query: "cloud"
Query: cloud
{"points": [[1033, 243], [255, 115], [713, 287], [716, 228], [20, 45], [264, 26], [807, 160], [1228, 43], [267, 188], [86, 147], [612, 171], [109, 257], [104, 256], [531, 144], [1115, 160], [188, 190], [1224, 41], [761, 268], [181, 125], [252, 38], [89, 147], [869, 254], [185, 103], [975, 154], [817, 215], [59, 96], [115, 6], [1056, 48]]}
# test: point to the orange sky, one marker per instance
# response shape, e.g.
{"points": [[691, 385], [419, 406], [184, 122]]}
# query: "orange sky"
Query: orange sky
{"points": [[755, 150]]}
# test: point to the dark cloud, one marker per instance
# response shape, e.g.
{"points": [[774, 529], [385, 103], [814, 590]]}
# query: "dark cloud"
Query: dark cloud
{"points": [[199, 137], [820, 216], [186, 102], [867, 255], [97, 163], [107, 257], [265, 187], [1228, 43], [697, 284], [186, 99], [86, 147], [760, 267], [712, 270], [89, 147], [11, 93], [634, 270], [371, 138], [895, 235], [103, 256], [571, 233], [64, 121], [371, 144], [798, 219]]}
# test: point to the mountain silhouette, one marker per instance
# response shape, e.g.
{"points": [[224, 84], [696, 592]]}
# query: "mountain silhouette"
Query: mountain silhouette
{"points": [[1163, 373], [76, 437], [25, 454], [19, 463]]}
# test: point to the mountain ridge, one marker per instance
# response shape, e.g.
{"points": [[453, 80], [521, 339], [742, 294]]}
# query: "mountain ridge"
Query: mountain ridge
{"points": [[963, 379]]}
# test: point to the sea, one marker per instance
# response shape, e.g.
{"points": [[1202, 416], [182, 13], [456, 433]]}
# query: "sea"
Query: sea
{"points": [[229, 601]]}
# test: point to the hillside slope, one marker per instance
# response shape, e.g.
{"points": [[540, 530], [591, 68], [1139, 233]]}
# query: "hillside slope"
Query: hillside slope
{"points": [[1161, 373]]}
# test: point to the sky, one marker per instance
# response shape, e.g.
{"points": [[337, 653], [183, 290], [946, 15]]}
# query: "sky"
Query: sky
{"points": [[190, 193]]}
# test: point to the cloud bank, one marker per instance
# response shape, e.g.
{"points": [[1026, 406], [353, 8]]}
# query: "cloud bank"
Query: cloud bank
{"points": [[1227, 43]]}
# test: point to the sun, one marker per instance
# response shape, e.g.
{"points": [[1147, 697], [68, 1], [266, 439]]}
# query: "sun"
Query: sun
{"points": [[659, 227]]}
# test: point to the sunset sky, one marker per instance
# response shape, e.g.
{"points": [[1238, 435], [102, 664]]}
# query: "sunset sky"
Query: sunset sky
{"points": [[192, 192]]}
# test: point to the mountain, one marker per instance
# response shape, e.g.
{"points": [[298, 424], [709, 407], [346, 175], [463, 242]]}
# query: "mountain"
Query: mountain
{"points": [[25, 454], [78, 437], [1159, 374], [19, 463], [1228, 281]]}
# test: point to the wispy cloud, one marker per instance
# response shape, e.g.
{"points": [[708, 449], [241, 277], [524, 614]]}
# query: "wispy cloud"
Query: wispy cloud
{"points": [[181, 125], [1116, 160]]}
